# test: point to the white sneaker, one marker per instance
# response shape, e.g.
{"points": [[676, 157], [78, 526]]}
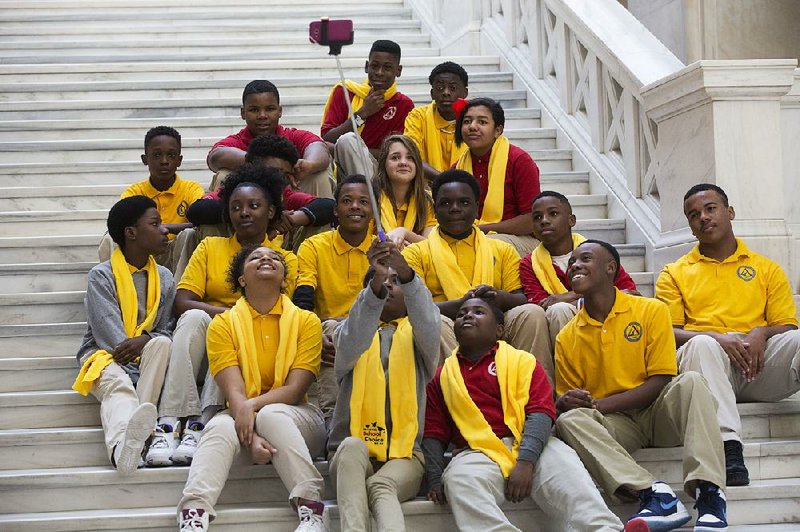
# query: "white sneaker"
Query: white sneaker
{"points": [[310, 521], [193, 520], [128, 452], [162, 446], [191, 439]]}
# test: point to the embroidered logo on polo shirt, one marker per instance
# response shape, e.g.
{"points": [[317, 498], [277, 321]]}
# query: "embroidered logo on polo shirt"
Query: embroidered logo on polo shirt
{"points": [[374, 433], [746, 273], [182, 208], [390, 112], [633, 331], [492, 369]]}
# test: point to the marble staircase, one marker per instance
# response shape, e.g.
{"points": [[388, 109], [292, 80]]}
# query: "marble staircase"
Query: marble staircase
{"points": [[81, 83]]}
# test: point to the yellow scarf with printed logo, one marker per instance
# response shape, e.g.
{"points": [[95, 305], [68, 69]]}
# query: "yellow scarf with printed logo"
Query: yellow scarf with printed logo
{"points": [[495, 195], [542, 263], [129, 308], [240, 320], [433, 143], [360, 92], [368, 399], [454, 283], [388, 218], [514, 372]]}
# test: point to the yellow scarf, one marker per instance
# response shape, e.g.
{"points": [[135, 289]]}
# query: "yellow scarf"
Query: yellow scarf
{"points": [[433, 143], [388, 218], [542, 264], [240, 321], [128, 304], [368, 399], [514, 371], [495, 196], [360, 92], [454, 283]]}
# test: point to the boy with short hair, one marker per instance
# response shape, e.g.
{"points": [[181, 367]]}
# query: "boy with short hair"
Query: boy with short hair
{"points": [[173, 195], [380, 110], [493, 404], [386, 352], [261, 110], [543, 272], [126, 349], [432, 127], [734, 318], [617, 392], [331, 270], [457, 262]]}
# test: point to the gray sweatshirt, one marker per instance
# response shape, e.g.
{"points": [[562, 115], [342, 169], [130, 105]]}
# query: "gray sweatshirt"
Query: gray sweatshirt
{"points": [[354, 335], [104, 327]]}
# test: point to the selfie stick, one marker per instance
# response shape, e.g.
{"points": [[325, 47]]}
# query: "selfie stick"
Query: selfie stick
{"points": [[335, 50]]}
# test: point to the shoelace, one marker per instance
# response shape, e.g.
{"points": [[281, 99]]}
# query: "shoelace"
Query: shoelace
{"points": [[711, 501], [191, 522], [189, 439], [306, 514], [159, 442]]}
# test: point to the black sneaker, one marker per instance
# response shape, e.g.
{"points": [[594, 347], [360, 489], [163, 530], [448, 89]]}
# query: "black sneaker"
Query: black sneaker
{"points": [[735, 471], [711, 509]]}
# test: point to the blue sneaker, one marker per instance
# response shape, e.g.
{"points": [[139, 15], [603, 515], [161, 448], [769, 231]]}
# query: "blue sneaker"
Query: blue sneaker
{"points": [[711, 507], [660, 509]]}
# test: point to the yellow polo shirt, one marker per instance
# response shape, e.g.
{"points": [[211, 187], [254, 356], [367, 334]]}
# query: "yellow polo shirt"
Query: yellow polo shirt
{"points": [[506, 263], [634, 343], [416, 129], [335, 270], [744, 291], [171, 203], [207, 271], [402, 211], [222, 354]]}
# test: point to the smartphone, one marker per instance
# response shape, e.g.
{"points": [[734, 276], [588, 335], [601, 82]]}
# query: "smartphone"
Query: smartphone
{"points": [[333, 33]]}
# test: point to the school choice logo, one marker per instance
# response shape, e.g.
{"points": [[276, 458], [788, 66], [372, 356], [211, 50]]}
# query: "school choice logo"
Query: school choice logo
{"points": [[746, 273], [373, 433], [633, 331]]}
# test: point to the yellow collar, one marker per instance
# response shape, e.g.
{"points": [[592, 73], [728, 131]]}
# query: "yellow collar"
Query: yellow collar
{"points": [[470, 240], [695, 256], [622, 303], [276, 309], [153, 191], [341, 246]]}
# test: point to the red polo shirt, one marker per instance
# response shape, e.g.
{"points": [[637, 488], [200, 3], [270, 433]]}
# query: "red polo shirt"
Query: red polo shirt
{"points": [[521, 186], [388, 121], [484, 389], [536, 293], [301, 139]]}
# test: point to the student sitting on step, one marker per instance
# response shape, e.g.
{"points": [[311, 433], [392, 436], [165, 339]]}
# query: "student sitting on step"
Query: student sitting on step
{"points": [[126, 350], [543, 272], [508, 177], [432, 127], [264, 354], [252, 196], [303, 214], [406, 207], [332, 268], [734, 319], [617, 392], [386, 352], [173, 195], [493, 405], [261, 110], [457, 260], [379, 108]]}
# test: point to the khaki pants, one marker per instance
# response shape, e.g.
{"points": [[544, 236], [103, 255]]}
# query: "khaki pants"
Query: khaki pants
{"points": [[118, 398], [524, 244], [353, 157], [558, 316], [683, 414], [525, 328], [319, 184], [562, 488], [361, 489], [326, 389], [168, 259], [779, 379], [297, 432], [191, 364]]}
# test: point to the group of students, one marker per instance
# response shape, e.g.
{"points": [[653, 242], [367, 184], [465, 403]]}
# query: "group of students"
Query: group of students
{"points": [[483, 327]]}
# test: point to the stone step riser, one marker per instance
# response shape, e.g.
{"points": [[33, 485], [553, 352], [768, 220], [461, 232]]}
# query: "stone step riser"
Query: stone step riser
{"points": [[42, 282], [84, 252], [47, 342]]}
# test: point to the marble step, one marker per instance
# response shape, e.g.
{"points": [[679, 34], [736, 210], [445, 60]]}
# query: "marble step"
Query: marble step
{"points": [[246, 69], [130, 149], [36, 6], [231, 88], [48, 409], [50, 339], [42, 307], [41, 373], [167, 107], [203, 126], [43, 277]]}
